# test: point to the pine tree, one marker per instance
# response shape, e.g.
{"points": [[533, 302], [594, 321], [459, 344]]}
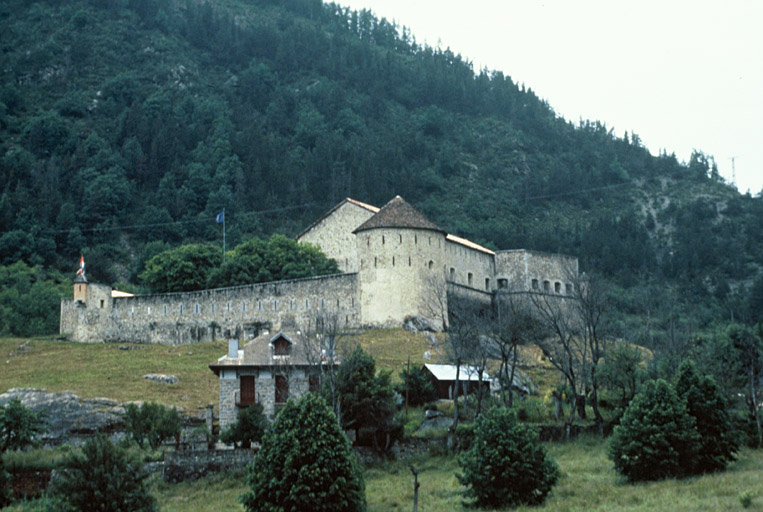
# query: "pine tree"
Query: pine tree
{"points": [[305, 463], [104, 477], [705, 403], [506, 466], [656, 438]]}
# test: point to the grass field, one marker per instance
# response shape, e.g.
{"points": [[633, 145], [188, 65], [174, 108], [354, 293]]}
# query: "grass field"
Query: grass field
{"points": [[588, 483]]}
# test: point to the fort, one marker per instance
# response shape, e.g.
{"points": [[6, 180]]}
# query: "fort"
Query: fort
{"points": [[395, 264]]}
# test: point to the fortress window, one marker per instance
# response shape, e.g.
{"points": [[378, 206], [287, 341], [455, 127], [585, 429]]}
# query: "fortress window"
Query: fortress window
{"points": [[568, 286], [430, 240], [452, 273], [546, 286], [535, 284], [243, 307], [166, 309], [382, 239], [148, 310], [259, 305], [415, 239], [275, 305], [197, 308], [368, 241], [470, 279], [307, 303], [431, 264], [323, 303], [132, 310], [401, 239], [102, 303], [375, 262], [503, 283], [361, 264], [213, 308], [409, 261], [557, 287], [352, 302], [487, 283], [228, 305], [291, 305], [337, 303], [393, 261], [346, 263], [180, 309]]}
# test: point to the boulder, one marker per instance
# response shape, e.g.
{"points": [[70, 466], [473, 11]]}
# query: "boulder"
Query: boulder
{"points": [[432, 413], [436, 423], [68, 416], [160, 377], [416, 324]]}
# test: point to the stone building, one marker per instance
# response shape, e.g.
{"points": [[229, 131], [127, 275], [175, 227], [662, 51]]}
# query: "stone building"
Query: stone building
{"points": [[394, 263], [268, 371]]}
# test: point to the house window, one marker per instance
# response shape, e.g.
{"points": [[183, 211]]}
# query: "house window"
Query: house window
{"points": [[281, 347], [568, 287], [282, 389], [315, 383], [557, 287], [470, 279], [246, 391], [535, 284], [546, 286], [487, 283]]}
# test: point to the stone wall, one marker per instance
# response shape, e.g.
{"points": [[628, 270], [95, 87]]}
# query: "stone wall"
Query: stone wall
{"points": [[182, 466], [239, 312], [334, 234], [536, 271], [400, 269], [87, 320], [469, 267]]}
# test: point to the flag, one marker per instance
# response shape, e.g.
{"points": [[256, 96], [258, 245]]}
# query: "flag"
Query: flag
{"points": [[81, 265], [220, 217]]}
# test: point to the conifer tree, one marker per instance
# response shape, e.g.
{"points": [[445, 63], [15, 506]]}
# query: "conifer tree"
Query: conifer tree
{"points": [[305, 463], [656, 438], [705, 403], [506, 466]]}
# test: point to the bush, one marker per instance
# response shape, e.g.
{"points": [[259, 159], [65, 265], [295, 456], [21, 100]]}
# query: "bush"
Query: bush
{"points": [[5, 488], [249, 428], [305, 463], [705, 403], [506, 466], [420, 387], [152, 423], [104, 477], [18, 426], [657, 438]]}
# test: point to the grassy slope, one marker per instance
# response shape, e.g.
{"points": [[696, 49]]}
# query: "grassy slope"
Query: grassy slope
{"points": [[588, 483]]}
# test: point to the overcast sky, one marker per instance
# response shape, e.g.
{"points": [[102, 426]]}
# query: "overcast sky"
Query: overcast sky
{"points": [[682, 75]]}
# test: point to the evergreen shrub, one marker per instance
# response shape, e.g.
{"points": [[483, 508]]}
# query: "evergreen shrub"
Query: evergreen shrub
{"points": [[656, 438], [5, 486], [506, 465], [151, 423], [305, 463], [104, 477], [249, 428]]}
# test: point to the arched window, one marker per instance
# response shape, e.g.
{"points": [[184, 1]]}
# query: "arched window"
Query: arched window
{"points": [[431, 264]]}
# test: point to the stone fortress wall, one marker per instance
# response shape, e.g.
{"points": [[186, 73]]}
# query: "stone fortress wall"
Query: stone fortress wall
{"points": [[239, 312], [391, 272]]}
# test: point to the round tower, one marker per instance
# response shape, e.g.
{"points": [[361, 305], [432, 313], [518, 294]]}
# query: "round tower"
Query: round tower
{"points": [[402, 257]]}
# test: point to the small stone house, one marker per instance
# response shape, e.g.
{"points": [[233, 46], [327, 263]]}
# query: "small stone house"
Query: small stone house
{"points": [[443, 378], [268, 370]]}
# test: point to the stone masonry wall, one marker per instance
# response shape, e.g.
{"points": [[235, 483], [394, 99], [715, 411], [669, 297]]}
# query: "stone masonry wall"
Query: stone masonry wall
{"points": [[334, 235], [240, 312], [462, 261], [85, 321], [536, 271]]}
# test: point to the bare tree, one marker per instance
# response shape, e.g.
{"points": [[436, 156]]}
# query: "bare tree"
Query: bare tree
{"points": [[564, 347], [512, 323], [590, 305], [322, 338]]}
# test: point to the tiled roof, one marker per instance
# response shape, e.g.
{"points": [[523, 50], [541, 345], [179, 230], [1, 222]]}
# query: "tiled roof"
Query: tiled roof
{"points": [[398, 214], [260, 352]]}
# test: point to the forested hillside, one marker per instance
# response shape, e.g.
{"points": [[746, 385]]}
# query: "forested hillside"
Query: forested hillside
{"points": [[127, 125]]}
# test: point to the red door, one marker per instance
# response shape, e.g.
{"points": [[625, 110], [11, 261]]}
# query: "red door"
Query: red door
{"points": [[247, 390]]}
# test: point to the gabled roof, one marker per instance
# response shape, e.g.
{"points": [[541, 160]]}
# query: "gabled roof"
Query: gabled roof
{"points": [[468, 243], [370, 208], [260, 353], [398, 214], [448, 372]]}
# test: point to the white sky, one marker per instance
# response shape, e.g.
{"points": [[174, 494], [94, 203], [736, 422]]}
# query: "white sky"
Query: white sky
{"points": [[681, 74]]}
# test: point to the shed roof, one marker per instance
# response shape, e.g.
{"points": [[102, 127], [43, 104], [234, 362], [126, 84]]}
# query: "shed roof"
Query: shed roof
{"points": [[398, 214], [448, 372]]}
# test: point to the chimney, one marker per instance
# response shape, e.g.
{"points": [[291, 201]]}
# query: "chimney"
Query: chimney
{"points": [[232, 349]]}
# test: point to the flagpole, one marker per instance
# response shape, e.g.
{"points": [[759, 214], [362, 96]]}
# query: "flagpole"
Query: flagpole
{"points": [[223, 235]]}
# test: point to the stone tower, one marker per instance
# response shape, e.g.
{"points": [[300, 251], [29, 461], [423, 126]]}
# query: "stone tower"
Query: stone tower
{"points": [[402, 256]]}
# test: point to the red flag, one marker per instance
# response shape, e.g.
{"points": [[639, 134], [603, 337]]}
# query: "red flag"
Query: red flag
{"points": [[81, 265]]}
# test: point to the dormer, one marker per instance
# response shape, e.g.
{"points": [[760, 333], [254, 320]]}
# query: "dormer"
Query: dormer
{"points": [[281, 345]]}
